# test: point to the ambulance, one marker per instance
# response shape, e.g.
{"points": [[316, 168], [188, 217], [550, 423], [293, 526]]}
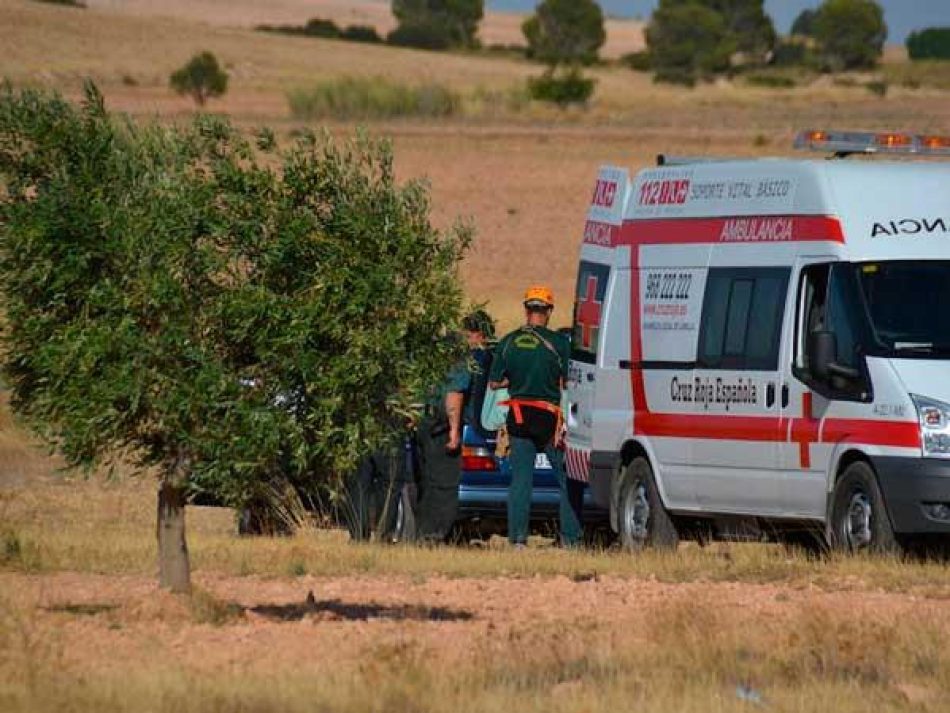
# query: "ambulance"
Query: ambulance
{"points": [[761, 348]]}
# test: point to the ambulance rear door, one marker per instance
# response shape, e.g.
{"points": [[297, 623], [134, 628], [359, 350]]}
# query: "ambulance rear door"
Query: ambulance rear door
{"points": [[596, 285]]}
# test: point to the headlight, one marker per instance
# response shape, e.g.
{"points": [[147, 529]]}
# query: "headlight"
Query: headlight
{"points": [[934, 419]]}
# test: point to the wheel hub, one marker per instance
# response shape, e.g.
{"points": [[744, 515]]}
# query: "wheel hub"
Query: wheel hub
{"points": [[637, 512], [857, 522]]}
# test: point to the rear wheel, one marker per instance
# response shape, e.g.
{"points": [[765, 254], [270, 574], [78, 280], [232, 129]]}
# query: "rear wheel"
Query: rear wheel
{"points": [[859, 519], [643, 520]]}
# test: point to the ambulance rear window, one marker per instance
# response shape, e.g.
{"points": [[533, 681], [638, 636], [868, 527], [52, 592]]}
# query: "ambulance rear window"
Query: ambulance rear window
{"points": [[588, 310]]}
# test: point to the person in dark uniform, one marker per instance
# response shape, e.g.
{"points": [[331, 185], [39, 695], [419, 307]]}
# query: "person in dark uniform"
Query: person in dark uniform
{"points": [[440, 433], [532, 362]]}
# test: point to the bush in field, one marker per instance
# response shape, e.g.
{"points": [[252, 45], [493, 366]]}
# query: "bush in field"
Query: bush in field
{"points": [[932, 43], [850, 33], [567, 32], [561, 87], [372, 98], [170, 298], [687, 42], [202, 78], [360, 33], [437, 24]]}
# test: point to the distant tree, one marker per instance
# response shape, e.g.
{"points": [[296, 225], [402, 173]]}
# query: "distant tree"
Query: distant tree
{"points": [[211, 317], [569, 32], [454, 21], [688, 41], [804, 24], [932, 43], [850, 33], [202, 78], [751, 27], [562, 87]]}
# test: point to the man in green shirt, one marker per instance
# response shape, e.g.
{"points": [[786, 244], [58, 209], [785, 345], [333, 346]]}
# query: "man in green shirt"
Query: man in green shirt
{"points": [[532, 362]]}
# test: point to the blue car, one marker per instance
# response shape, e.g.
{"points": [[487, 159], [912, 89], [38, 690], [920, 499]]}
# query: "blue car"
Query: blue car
{"points": [[483, 488]]}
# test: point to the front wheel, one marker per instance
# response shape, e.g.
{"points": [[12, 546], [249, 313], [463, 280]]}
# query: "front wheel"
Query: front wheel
{"points": [[859, 519], [643, 520]]}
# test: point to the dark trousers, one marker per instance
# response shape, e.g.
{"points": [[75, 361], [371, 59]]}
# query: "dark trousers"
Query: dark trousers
{"points": [[536, 435], [438, 483]]}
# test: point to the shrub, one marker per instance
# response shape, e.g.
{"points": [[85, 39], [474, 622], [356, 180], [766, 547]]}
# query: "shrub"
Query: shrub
{"points": [[637, 61], [371, 98], [561, 88], [790, 53], [877, 87], [68, 3], [317, 27], [202, 78], [565, 32], [361, 33], [850, 33], [932, 43], [770, 80], [420, 35]]}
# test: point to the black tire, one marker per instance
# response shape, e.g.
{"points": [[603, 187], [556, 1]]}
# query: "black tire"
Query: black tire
{"points": [[641, 516], [859, 519], [404, 527]]}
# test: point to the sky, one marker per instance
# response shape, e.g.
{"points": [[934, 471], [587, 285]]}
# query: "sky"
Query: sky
{"points": [[901, 16]]}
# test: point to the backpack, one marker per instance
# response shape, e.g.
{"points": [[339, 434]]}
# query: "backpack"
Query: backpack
{"points": [[483, 360]]}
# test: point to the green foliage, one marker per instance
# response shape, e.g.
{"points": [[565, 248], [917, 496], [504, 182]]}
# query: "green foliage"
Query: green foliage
{"points": [[68, 3], [423, 35], [561, 87], [326, 29], [751, 28], [437, 24], [637, 61], [791, 53], [360, 33], [804, 24], [688, 41], [318, 27], [877, 87], [372, 98], [565, 32], [932, 43], [171, 296], [850, 33], [770, 80], [201, 78]]}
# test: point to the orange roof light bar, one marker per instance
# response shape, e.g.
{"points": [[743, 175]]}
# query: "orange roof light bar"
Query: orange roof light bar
{"points": [[843, 143]]}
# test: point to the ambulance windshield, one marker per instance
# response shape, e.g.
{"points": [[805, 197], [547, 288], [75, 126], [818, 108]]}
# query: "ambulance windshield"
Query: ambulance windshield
{"points": [[907, 305]]}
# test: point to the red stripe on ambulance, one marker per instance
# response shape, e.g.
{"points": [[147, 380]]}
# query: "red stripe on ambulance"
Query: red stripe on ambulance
{"points": [[804, 430]]}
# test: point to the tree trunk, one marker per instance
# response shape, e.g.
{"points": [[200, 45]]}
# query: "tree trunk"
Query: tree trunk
{"points": [[174, 570]]}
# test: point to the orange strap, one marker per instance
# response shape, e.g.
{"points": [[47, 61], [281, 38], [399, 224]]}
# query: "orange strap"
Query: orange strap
{"points": [[517, 404]]}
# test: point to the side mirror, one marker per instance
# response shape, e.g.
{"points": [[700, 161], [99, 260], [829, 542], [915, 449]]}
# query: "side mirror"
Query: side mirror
{"points": [[823, 358], [822, 353]]}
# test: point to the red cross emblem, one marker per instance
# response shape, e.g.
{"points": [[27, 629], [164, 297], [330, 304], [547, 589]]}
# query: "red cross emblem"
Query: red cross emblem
{"points": [[588, 313], [805, 431]]}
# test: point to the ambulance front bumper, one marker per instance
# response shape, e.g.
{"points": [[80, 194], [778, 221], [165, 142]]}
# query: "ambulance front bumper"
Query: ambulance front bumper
{"points": [[916, 492]]}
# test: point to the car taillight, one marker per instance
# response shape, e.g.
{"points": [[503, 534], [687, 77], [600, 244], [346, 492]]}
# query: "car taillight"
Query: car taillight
{"points": [[477, 459]]}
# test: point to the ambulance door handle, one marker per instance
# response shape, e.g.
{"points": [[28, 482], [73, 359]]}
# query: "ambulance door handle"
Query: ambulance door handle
{"points": [[770, 396], [784, 395]]}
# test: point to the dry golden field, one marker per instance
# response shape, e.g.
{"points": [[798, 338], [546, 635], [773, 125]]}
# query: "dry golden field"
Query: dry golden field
{"points": [[721, 628]]}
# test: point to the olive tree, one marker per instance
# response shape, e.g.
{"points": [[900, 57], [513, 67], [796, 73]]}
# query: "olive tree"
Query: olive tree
{"points": [[688, 41], [437, 24], [173, 298], [850, 33], [201, 78]]}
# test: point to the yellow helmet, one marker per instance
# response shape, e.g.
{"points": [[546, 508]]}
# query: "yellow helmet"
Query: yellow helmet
{"points": [[539, 296]]}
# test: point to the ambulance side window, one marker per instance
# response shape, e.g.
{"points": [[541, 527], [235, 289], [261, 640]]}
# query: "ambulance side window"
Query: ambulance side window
{"points": [[592, 281], [741, 326]]}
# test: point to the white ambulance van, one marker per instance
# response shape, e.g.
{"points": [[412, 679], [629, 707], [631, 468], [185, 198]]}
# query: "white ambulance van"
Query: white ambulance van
{"points": [[763, 346]]}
